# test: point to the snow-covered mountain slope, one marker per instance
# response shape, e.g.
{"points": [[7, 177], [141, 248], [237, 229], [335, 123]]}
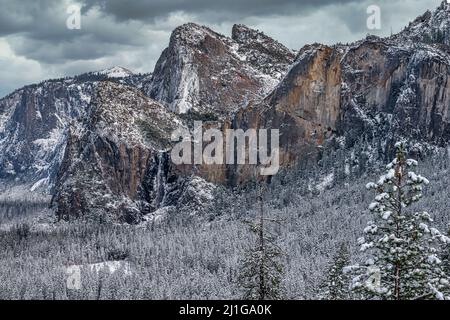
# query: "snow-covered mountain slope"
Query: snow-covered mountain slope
{"points": [[116, 72], [119, 75], [95, 143], [32, 135], [431, 27], [206, 72], [34, 122]]}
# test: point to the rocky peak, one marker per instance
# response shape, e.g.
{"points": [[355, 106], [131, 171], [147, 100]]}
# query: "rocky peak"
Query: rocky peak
{"points": [[32, 134], [365, 95], [192, 34], [242, 34], [262, 52], [431, 27], [204, 72]]}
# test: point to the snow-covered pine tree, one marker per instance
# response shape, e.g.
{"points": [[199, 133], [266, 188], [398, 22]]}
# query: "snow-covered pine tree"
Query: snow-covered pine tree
{"points": [[445, 255], [401, 247], [337, 283], [261, 269]]}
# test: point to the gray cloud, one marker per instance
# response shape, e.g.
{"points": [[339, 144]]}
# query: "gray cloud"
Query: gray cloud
{"points": [[150, 10], [35, 43]]}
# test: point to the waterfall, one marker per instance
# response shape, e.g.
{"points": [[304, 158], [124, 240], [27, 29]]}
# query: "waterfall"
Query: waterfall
{"points": [[159, 181]]}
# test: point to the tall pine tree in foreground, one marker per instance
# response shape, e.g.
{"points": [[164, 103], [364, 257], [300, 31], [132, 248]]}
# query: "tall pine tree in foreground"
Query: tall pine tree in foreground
{"points": [[261, 269], [401, 247], [337, 282]]}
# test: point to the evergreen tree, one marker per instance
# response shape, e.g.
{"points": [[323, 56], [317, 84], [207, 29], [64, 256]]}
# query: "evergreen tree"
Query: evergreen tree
{"points": [[445, 256], [261, 270], [401, 248], [337, 282]]}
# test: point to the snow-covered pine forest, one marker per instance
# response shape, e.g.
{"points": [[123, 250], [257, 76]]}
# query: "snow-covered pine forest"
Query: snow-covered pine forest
{"points": [[200, 257]]}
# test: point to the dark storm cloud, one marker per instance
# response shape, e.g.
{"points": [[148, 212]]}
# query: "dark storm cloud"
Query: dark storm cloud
{"points": [[224, 9], [37, 30], [33, 17], [46, 20]]}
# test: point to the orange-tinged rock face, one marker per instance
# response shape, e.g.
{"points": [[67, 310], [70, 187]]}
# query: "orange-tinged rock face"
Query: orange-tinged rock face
{"points": [[315, 93], [348, 91], [304, 108]]}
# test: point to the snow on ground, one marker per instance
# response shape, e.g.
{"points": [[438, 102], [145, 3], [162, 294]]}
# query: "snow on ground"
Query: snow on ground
{"points": [[157, 215], [326, 182], [107, 266], [35, 227]]}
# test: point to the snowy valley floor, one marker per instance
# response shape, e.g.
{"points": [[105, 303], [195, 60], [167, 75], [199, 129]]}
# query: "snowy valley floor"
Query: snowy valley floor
{"points": [[186, 257]]}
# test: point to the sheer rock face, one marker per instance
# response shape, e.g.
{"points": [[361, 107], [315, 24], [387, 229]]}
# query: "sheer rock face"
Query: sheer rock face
{"points": [[204, 72], [305, 107], [32, 134], [376, 90], [405, 88], [117, 164]]}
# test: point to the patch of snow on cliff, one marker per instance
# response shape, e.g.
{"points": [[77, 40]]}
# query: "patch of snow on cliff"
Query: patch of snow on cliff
{"points": [[49, 143], [189, 84], [39, 184]]}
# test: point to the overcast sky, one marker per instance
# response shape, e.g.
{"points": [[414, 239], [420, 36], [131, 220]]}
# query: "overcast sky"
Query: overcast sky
{"points": [[35, 43]]}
